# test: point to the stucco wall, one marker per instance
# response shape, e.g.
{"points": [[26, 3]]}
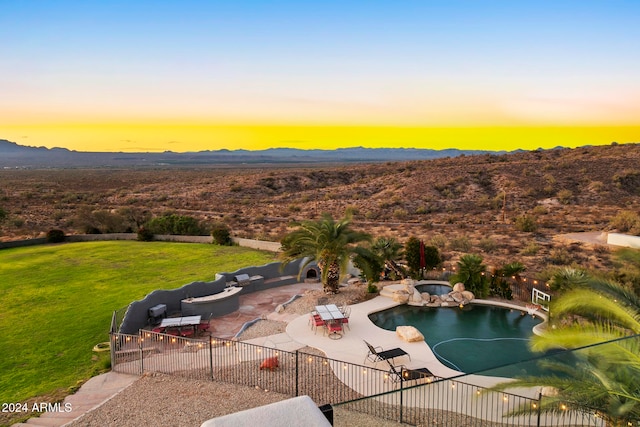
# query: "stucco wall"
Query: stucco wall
{"points": [[623, 240]]}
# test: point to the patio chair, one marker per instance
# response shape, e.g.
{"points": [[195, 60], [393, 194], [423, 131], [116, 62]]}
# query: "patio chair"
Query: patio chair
{"points": [[316, 321], [401, 373], [374, 355], [334, 328], [345, 320]]}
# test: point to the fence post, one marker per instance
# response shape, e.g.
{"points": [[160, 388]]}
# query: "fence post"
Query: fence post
{"points": [[141, 351], [210, 358], [112, 350], [401, 396], [297, 372], [539, 408]]}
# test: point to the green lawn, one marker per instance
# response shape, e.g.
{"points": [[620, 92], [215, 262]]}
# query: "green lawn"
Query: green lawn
{"points": [[57, 301]]}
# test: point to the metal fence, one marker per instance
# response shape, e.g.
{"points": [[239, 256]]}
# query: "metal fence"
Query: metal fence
{"points": [[346, 386], [457, 403], [327, 381]]}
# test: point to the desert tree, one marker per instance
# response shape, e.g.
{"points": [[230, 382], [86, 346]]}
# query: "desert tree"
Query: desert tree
{"points": [[330, 243]]}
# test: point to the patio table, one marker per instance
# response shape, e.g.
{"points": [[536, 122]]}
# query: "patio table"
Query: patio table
{"points": [[332, 315], [180, 322]]}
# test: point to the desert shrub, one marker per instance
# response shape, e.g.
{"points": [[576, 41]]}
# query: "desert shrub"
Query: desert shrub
{"points": [[294, 208], [90, 229], [565, 196], [144, 235], [498, 201], [438, 241], [176, 225], [627, 221], [560, 256], [400, 213], [539, 210], [549, 179], [487, 245], [526, 223], [596, 186], [372, 288], [532, 248], [221, 235], [628, 180], [55, 236], [460, 244], [421, 210], [3, 215]]}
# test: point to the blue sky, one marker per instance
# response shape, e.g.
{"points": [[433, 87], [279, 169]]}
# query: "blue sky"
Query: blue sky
{"points": [[282, 63]]}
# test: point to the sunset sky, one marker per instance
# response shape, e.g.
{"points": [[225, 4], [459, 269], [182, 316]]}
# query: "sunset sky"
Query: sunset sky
{"points": [[206, 75]]}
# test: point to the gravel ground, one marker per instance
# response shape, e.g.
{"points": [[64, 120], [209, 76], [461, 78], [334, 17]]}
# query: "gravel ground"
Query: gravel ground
{"points": [[164, 400]]}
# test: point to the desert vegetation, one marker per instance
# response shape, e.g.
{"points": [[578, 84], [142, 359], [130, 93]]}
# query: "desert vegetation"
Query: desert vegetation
{"points": [[506, 208]]}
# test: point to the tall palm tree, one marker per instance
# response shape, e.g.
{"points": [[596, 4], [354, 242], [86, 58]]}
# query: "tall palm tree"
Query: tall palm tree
{"points": [[328, 242], [601, 319]]}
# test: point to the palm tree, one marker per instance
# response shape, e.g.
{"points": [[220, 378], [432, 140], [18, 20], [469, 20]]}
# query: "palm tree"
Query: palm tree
{"points": [[328, 242], [390, 251], [601, 319], [471, 273]]}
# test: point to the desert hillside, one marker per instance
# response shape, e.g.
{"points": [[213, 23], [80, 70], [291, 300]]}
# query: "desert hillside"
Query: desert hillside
{"points": [[506, 208]]}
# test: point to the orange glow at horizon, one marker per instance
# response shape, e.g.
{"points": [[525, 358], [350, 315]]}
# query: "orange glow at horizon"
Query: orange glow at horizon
{"points": [[189, 137]]}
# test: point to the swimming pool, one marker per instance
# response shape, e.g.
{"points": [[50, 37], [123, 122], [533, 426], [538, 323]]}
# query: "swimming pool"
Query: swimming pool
{"points": [[471, 339], [433, 289]]}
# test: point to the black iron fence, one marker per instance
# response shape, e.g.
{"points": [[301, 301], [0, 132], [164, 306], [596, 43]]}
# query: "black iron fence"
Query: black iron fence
{"points": [[425, 400], [521, 286]]}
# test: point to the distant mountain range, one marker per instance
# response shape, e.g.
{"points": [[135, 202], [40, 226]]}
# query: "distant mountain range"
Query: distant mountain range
{"points": [[14, 155]]}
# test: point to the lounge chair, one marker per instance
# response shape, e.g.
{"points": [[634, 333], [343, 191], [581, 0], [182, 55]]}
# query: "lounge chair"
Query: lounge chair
{"points": [[401, 373], [374, 355]]}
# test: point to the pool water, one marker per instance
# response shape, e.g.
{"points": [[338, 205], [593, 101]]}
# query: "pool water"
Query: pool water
{"points": [[472, 339], [433, 289]]}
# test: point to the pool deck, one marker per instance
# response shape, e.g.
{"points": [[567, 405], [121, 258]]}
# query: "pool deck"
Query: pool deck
{"points": [[352, 348]]}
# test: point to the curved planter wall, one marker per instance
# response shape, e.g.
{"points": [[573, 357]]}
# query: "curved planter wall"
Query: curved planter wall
{"points": [[271, 275]]}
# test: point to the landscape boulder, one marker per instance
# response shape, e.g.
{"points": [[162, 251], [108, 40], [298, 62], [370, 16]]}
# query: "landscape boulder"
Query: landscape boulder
{"points": [[468, 295], [409, 333], [401, 296], [458, 287]]}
